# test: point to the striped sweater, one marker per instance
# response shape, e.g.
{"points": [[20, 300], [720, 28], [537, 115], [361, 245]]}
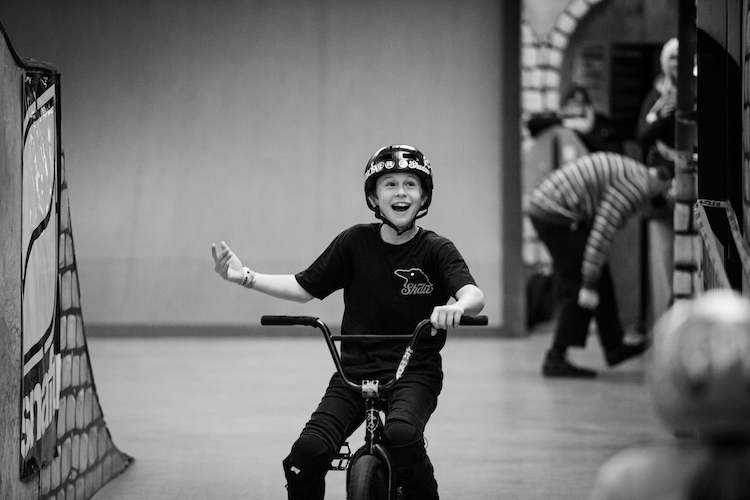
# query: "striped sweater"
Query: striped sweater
{"points": [[600, 190]]}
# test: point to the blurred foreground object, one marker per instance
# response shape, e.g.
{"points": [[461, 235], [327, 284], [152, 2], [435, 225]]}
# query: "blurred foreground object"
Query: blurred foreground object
{"points": [[700, 367], [699, 379]]}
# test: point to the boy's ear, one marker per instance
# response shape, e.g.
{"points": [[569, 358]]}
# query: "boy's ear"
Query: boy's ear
{"points": [[372, 199]]}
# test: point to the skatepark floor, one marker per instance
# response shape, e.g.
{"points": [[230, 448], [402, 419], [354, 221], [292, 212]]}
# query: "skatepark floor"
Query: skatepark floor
{"points": [[214, 417]]}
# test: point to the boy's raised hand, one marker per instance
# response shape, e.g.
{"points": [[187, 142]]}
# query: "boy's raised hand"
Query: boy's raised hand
{"points": [[227, 264]]}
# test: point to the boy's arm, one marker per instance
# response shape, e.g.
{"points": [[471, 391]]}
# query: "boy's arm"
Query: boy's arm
{"points": [[282, 286], [469, 300]]}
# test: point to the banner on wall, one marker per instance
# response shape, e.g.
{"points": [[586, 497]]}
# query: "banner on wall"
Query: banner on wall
{"points": [[746, 113], [40, 384]]}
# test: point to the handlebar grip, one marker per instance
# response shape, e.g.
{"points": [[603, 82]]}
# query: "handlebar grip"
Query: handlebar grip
{"points": [[289, 320], [474, 320]]}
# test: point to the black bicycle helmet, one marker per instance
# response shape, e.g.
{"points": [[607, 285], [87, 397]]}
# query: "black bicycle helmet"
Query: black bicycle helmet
{"points": [[398, 157]]}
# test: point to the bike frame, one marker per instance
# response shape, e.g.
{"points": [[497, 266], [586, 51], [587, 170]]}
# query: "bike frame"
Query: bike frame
{"points": [[372, 446], [372, 390]]}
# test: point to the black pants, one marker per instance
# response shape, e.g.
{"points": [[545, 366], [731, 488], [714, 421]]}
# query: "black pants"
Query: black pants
{"points": [[408, 407], [566, 245]]}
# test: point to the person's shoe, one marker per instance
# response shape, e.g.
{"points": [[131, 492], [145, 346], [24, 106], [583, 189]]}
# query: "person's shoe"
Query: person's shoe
{"points": [[624, 353], [559, 366]]}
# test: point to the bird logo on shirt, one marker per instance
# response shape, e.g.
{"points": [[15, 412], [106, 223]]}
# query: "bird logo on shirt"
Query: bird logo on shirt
{"points": [[416, 281]]}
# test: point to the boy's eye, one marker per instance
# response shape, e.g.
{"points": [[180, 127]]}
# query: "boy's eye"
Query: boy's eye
{"points": [[393, 184]]}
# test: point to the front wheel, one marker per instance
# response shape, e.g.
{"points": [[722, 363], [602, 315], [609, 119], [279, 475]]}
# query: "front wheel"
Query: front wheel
{"points": [[367, 480]]}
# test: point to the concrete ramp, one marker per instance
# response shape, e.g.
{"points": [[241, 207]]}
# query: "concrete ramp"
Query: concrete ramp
{"points": [[54, 443]]}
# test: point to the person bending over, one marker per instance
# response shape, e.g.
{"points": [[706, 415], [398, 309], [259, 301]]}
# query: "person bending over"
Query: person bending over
{"points": [[576, 211]]}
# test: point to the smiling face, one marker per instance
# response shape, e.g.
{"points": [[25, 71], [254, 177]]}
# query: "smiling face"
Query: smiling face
{"points": [[399, 196]]}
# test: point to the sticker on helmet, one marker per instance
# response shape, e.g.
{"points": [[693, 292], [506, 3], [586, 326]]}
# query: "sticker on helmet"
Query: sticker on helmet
{"points": [[422, 168], [403, 164]]}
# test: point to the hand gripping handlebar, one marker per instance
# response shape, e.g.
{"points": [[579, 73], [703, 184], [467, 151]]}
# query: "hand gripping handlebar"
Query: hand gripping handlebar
{"points": [[423, 326]]}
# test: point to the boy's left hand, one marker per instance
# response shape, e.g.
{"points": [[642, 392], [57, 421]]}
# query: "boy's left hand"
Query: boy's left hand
{"points": [[444, 317]]}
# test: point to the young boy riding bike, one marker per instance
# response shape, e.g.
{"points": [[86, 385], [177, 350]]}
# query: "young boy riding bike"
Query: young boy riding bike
{"points": [[394, 274]]}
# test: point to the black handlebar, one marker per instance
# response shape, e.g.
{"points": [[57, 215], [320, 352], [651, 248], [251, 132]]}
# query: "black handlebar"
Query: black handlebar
{"points": [[313, 321], [474, 321], [421, 328], [289, 321]]}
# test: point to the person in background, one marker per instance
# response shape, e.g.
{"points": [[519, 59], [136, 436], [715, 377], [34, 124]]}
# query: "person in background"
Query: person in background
{"points": [[655, 132], [577, 112], [656, 137], [576, 211]]}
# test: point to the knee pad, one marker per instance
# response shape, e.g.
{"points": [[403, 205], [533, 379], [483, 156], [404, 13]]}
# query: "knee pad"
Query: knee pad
{"points": [[413, 469], [307, 463], [404, 442]]}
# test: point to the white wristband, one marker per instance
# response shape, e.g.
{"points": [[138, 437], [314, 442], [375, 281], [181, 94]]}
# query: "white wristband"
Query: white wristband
{"points": [[248, 281]]}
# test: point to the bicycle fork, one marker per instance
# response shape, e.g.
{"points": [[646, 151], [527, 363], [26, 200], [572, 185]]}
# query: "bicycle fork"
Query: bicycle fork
{"points": [[373, 436]]}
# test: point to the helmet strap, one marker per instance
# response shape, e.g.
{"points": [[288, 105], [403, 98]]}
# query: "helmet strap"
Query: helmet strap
{"points": [[399, 231]]}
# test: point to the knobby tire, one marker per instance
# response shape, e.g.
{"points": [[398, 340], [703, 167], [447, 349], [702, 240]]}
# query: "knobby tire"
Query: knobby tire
{"points": [[367, 480]]}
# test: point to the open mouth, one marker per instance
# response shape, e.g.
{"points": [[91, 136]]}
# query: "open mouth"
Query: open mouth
{"points": [[400, 207]]}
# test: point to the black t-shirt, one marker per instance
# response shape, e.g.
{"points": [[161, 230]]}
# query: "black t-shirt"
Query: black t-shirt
{"points": [[388, 290]]}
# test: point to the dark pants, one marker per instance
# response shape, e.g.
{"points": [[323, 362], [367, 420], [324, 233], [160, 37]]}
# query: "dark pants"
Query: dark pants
{"points": [[408, 407], [566, 245]]}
